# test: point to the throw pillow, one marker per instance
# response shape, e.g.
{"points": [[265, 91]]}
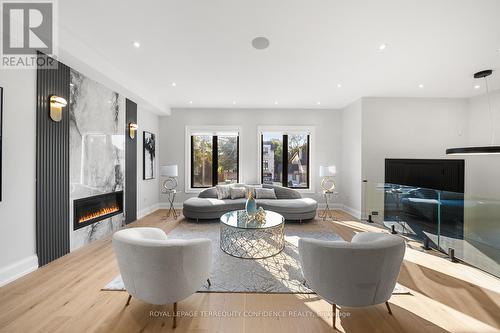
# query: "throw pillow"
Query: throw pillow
{"points": [[252, 188], [223, 191], [238, 192], [265, 193]]}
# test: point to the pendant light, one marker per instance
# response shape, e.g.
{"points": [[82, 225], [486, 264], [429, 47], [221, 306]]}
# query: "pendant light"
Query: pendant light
{"points": [[484, 150]]}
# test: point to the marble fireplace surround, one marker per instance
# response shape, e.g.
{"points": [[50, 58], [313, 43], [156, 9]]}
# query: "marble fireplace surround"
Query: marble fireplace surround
{"points": [[97, 151]]}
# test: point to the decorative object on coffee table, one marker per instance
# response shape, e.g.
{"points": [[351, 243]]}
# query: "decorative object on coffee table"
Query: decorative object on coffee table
{"points": [[169, 186], [246, 237], [250, 206]]}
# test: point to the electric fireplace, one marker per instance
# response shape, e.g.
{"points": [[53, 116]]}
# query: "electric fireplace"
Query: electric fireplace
{"points": [[93, 209]]}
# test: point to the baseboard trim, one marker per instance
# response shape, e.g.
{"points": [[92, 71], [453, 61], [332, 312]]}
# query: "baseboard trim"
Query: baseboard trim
{"points": [[18, 269], [351, 211], [148, 210]]}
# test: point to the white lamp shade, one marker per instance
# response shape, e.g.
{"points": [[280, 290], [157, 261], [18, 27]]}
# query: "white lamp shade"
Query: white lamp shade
{"points": [[169, 171], [327, 171]]}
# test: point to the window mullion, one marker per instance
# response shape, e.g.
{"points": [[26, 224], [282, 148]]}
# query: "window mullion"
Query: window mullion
{"points": [[285, 161], [238, 158], [215, 160]]}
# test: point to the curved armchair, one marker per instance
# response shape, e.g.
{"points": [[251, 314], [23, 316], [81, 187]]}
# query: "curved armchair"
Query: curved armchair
{"points": [[158, 270], [359, 273]]}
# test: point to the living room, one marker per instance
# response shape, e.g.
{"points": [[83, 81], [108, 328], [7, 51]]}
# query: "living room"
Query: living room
{"points": [[232, 166]]}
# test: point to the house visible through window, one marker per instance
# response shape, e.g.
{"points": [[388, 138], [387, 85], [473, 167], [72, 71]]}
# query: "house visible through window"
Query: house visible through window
{"points": [[285, 159], [214, 159]]}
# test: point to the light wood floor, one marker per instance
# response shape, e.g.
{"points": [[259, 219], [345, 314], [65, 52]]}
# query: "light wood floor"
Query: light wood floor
{"points": [[65, 296]]}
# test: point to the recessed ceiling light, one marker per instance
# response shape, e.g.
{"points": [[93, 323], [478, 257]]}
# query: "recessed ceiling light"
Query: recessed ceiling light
{"points": [[275, 102], [174, 84], [477, 86], [260, 43], [136, 44], [339, 85], [319, 103], [382, 47], [420, 85], [190, 102], [234, 102]]}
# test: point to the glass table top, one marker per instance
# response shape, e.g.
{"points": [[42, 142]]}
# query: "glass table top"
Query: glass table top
{"points": [[239, 219]]}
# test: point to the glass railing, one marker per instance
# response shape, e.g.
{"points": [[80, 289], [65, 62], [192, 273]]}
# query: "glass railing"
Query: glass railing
{"points": [[466, 225]]}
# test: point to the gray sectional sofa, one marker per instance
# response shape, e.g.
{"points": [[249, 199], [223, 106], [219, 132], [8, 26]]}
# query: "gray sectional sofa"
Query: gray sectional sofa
{"points": [[289, 203]]}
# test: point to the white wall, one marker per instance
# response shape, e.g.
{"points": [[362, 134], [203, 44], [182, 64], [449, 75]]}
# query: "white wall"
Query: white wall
{"points": [[483, 171], [147, 190], [327, 125], [350, 170], [406, 128], [17, 209]]}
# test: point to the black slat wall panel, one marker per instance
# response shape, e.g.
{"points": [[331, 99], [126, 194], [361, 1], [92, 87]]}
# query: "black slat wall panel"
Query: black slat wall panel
{"points": [[130, 164], [52, 167]]}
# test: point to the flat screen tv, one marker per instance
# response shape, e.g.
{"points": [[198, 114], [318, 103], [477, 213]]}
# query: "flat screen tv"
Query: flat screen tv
{"points": [[443, 175]]}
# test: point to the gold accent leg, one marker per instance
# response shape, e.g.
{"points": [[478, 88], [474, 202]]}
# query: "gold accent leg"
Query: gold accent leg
{"points": [[334, 310], [128, 300], [388, 308], [175, 315]]}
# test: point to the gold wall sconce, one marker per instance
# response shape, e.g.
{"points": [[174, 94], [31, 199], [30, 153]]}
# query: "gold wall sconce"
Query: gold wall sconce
{"points": [[56, 105], [132, 130]]}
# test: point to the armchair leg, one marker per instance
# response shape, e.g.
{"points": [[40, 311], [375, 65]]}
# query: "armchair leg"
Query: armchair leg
{"points": [[388, 308], [175, 315], [209, 283], [334, 308], [128, 300]]}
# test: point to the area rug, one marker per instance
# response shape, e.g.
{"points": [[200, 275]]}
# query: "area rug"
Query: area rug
{"points": [[277, 274]]}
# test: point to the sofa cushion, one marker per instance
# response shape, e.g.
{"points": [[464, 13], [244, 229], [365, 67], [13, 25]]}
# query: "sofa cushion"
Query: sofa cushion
{"points": [[265, 193], [238, 192], [252, 188], [223, 191], [213, 205], [284, 192], [289, 205], [208, 193]]}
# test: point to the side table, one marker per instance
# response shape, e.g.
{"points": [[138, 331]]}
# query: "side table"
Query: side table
{"points": [[328, 212], [171, 198]]}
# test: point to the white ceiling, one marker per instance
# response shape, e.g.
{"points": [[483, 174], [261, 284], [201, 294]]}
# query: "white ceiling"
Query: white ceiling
{"points": [[205, 47]]}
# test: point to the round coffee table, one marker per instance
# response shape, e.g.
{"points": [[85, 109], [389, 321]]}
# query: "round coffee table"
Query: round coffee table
{"points": [[249, 239]]}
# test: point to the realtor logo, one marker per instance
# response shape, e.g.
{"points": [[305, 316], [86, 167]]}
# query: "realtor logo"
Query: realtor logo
{"points": [[27, 27]]}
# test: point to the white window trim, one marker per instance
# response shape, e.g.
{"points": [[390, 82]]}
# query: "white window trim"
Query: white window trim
{"points": [[291, 129], [187, 151]]}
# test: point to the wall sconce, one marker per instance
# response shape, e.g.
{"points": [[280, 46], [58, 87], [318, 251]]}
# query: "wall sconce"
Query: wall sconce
{"points": [[132, 130], [56, 105]]}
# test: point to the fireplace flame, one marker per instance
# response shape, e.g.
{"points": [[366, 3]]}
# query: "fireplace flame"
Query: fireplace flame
{"points": [[101, 212]]}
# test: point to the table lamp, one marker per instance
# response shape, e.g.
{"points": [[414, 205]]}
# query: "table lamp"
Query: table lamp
{"points": [[327, 173], [169, 171]]}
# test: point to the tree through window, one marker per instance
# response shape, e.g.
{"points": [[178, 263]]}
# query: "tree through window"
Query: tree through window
{"points": [[214, 159]]}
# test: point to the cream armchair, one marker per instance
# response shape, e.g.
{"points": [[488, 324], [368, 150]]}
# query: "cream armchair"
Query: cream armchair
{"points": [[359, 273], [158, 270]]}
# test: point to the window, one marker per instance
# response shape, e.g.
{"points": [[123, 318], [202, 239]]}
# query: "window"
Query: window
{"points": [[214, 158], [285, 158]]}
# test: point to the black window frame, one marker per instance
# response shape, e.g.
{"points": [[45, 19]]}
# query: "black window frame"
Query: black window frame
{"points": [[284, 177], [215, 161]]}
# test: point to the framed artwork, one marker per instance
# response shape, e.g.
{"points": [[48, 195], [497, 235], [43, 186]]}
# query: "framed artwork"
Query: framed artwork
{"points": [[1, 124], [149, 155]]}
